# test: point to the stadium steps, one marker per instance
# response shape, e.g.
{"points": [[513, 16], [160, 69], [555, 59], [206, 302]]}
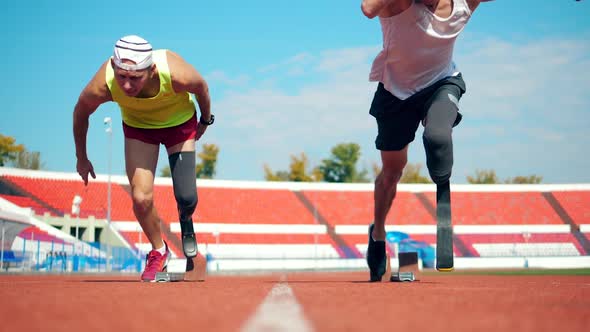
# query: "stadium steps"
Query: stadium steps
{"points": [[349, 252], [14, 189], [562, 213], [25, 201]]}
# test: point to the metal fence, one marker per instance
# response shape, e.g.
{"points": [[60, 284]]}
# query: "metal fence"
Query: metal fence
{"points": [[43, 256]]}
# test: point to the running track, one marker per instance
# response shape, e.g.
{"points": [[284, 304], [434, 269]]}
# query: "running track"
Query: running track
{"points": [[296, 302]]}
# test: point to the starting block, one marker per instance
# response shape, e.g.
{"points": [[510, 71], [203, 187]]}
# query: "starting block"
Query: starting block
{"points": [[169, 276], [196, 270], [402, 276], [408, 267]]}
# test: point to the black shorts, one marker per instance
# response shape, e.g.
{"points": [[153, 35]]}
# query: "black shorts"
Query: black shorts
{"points": [[398, 120]]}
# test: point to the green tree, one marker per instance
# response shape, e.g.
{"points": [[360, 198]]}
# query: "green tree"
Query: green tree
{"points": [[531, 179], [489, 177], [298, 168], [298, 171], [206, 169], [411, 174], [316, 174], [341, 166], [362, 176], [269, 175], [27, 160], [9, 149], [376, 169], [165, 172], [483, 177]]}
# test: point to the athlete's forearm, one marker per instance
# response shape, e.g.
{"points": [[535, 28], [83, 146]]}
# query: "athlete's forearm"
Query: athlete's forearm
{"points": [[205, 107], [93, 95], [201, 91], [81, 116]]}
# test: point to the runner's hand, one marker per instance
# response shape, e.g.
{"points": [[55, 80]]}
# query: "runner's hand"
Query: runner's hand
{"points": [[84, 166]]}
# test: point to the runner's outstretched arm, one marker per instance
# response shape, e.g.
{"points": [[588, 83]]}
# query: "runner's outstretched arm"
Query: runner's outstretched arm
{"points": [[93, 95]]}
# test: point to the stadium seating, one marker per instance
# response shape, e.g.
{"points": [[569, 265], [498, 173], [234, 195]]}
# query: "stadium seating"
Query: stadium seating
{"points": [[33, 233], [335, 209], [251, 206], [11, 258], [27, 202], [576, 204], [500, 208], [356, 208], [58, 194], [498, 245]]}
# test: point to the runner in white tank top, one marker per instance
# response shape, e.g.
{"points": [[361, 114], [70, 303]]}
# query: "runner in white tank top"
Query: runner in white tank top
{"points": [[418, 48], [418, 82]]}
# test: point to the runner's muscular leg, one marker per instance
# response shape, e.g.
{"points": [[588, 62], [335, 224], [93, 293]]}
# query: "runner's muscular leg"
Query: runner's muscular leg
{"points": [[386, 187], [186, 146], [141, 160]]}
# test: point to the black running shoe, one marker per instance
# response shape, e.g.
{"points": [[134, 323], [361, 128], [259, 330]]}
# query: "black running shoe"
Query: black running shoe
{"points": [[376, 257]]}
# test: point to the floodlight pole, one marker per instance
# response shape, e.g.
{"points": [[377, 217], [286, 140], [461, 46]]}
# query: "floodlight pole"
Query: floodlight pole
{"points": [[109, 131]]}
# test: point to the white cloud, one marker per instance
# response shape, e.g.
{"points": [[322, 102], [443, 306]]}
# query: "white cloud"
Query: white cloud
{"points": [[529, 79], [222, 78], [333, 61], [545, 135], [296, 61]]}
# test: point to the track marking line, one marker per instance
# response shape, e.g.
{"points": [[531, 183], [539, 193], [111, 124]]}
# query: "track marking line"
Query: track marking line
{"points": [[279, 311]]}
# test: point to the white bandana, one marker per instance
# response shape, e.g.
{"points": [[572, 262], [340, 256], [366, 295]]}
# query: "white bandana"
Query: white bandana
{"points": [[133, 48]]}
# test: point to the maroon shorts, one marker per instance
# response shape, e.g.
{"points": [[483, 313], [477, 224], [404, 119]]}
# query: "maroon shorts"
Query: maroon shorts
{"points": [[167, 136]]}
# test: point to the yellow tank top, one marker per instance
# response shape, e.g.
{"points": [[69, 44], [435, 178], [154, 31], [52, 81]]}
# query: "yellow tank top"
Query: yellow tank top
{"points": [[166, 109]]}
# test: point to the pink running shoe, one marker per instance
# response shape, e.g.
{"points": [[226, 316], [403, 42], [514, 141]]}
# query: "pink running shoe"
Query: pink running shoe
{"points": [[155, 262]]}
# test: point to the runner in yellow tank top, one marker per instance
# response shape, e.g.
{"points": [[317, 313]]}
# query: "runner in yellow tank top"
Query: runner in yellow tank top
{"points": [[166, 109], [153, 90]]}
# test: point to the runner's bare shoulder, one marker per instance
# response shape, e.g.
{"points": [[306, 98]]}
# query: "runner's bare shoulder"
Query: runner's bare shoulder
{"points": [[182, 73], [96, 91]]}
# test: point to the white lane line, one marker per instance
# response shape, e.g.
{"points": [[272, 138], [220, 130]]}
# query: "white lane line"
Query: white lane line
{"points": [[279, 311]]}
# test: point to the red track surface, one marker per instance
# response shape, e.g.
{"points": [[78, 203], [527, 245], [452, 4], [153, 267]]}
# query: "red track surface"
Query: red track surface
{"points": [[330, 302]]}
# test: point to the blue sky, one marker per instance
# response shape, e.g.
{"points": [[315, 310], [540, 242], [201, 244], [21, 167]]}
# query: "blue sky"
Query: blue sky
{"points": [[292, 77]]}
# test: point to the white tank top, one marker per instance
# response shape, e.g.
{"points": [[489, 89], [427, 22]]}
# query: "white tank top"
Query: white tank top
{"points": [[418, 48]]}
